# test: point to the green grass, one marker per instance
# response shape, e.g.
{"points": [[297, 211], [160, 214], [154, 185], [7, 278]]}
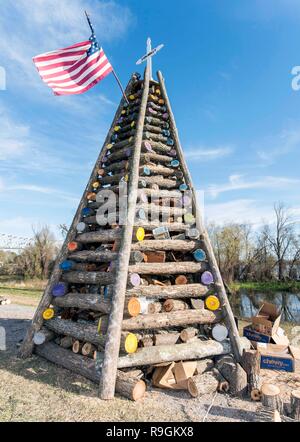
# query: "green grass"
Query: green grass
{"points": [[270, 286], [23, 292], [11, 291]]}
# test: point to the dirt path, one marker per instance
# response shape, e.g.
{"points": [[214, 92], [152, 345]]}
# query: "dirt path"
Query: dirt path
{"points": [[36, 390]]}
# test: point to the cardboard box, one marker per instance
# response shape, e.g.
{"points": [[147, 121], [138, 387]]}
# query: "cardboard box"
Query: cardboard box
{"points": [[255, 336], [279, 357], [267, 319], [265, 326], [173, 375]]}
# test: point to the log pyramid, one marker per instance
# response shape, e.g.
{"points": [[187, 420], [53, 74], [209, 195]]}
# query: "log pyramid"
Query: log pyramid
{"points": [[129, 295]]}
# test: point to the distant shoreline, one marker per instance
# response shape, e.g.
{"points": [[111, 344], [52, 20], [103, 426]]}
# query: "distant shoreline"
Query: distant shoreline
{"points": [[269, 286]]}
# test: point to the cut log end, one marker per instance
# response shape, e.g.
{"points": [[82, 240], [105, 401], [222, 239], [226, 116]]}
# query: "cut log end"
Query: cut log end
{"points": [[206, 383], [255, 395], [270, 396], [139, 390]]}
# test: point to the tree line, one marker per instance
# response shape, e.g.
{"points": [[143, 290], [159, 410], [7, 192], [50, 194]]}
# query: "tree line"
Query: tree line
{"points": [[270, 253], [35, 261], [242, 252]]}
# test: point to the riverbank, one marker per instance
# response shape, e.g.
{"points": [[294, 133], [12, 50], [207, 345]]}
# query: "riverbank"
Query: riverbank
{"points": [[269, 286]]}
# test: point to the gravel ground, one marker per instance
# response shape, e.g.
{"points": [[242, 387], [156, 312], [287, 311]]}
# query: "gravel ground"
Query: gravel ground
{"points": [[36, 390]]}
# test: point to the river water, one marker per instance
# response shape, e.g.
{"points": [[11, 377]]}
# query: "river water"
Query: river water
{"points": [[246, 303]]}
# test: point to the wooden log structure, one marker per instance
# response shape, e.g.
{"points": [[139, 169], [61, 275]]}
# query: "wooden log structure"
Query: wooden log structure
{"points": [[84, 301], [155, 157], [153, 209], [99, 256], [166, 245], [160, 181], [88, 349], [77, 277], [119, 165], [42, 336], [66, 342], [154, 307], [166, 338], [170, 291], [159, 170], [129, 387], [37, 321], [127, 294], [100, 236], [157, 146], [167, 268], [172, 319], [109, 367], [77, 346], [160, 193], [188, 333], [179, 352], [174, 305], [81, 331], [220, 289]]}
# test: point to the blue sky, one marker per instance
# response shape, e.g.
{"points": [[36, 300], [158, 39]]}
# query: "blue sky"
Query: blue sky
{"points": [[227, 66]]}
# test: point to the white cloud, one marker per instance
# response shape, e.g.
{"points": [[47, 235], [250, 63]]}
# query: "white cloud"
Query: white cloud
{"points": [[237, 182], [20, 226], [56, 193], [283, 143], [268, 10], [239, 211], [45, 25], [27, 149], [206, 154], [13, 136]]}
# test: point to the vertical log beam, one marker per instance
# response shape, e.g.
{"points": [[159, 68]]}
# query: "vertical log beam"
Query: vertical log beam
{"points": [[37, 321], [109, 367], [219, 285]]}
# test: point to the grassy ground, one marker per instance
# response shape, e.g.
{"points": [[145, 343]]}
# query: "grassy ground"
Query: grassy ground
{"points": [[271, 286], [36, 390], [22, 292]]}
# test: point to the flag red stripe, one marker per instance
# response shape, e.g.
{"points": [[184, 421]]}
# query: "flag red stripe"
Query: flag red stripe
{"points": [[61, 55], [56, 65], [86, 78], [87, 87], [69, 72], [59, 51], [88, 65], [74, 70], [97, 73]]}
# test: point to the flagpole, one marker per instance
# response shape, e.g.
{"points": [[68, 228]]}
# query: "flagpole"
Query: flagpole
{"points": [[113, 71]]}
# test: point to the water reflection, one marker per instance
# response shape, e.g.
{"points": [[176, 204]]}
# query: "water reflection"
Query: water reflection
{"points": [[246, 303]]}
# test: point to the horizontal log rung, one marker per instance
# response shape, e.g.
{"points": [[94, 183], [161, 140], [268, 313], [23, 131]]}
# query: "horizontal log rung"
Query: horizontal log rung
{"points": [[169, 292], [167, 268], [166, 245]]}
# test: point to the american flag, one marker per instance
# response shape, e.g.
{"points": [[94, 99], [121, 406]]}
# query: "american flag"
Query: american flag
{"points": [[73, 70]]}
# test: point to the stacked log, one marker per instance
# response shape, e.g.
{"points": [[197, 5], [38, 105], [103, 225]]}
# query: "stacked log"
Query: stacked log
{"points": [[144, 292]]}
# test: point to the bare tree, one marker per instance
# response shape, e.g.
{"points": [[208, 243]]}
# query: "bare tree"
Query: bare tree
{"points": [[63, 230], [36, 259], [281, 236]]}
